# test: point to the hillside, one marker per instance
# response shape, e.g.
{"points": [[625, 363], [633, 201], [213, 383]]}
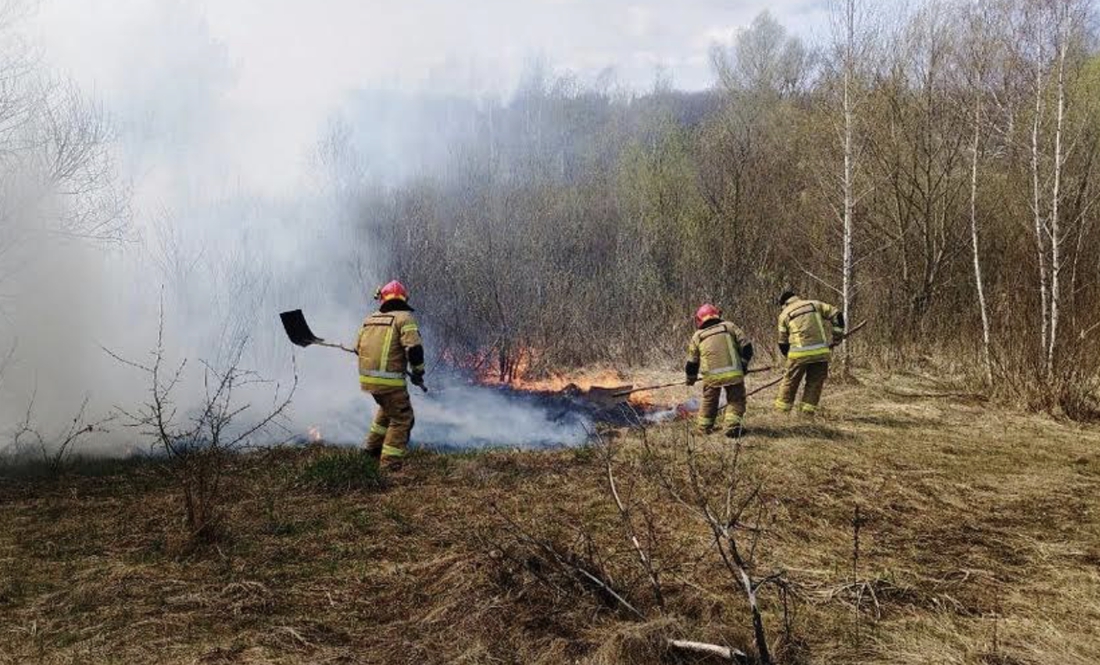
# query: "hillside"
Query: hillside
{"points": [[978, 542]]}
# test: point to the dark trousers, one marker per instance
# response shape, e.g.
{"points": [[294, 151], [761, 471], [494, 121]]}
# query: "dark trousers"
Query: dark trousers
{"points": [[814, 375]]}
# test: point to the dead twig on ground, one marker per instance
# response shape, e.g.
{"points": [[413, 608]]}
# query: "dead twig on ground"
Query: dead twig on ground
{"points": [[725, 653], [569, 562]]}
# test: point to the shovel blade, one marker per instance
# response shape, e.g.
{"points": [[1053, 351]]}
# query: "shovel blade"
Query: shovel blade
{"points": [[294, 323], [607, 397]]}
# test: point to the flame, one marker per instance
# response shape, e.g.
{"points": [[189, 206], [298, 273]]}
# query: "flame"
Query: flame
{"points": [[525, 370], [580, 381], [642, 401], [314, 433]]}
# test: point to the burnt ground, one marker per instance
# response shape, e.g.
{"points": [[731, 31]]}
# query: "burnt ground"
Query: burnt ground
{"points": [[979, 542]]}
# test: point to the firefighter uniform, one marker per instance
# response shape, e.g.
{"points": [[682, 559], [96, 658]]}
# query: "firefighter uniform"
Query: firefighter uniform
{"points": [[808, 331], [389, 345], [719, 351]]}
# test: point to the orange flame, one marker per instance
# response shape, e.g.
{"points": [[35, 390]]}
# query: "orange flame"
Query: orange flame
{"points": [[524, 371], [314, 434]]}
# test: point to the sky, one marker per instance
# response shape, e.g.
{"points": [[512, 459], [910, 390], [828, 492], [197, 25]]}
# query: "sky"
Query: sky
{"points": [[270, 72]]}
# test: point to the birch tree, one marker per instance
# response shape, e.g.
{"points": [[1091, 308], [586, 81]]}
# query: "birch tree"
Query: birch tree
{"points": [[850, 45], [978, 55]]}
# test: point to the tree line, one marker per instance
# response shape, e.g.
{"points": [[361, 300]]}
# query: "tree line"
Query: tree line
{"points": [[935, 175]]}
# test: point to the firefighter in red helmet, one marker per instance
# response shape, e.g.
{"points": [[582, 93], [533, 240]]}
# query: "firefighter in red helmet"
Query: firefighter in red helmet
{"points": [[721, 352], [390, 348]]}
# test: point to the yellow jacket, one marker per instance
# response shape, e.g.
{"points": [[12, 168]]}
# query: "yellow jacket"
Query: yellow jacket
{"points": [[802, 326], [717, 349], [384, 342]]}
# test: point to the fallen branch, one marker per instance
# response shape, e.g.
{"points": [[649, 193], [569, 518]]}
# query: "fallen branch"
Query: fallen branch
{"points": [[565, 561], [724, 653]]}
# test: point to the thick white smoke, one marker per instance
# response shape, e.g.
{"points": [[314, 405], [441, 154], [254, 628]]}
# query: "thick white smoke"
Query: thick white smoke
{"points": [[230, 224]]}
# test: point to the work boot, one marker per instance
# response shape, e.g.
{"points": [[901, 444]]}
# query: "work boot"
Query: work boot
{"points": [[735, 432]]}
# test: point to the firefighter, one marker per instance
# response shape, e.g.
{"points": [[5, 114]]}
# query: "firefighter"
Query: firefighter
{"points": [[390, 348], [808, 331], [722, 353]]}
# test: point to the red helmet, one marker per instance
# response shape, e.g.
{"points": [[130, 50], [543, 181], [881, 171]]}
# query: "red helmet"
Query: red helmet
{"points": [[395, 290], [706, 313]]}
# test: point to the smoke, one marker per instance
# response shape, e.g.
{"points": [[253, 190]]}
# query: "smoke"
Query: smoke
{"points": [[455, 415], [242, 139], [234, 219]]}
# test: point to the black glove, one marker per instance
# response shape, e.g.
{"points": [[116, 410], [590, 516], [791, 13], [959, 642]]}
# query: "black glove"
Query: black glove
{"points": [[691, 379], [417, 378]]}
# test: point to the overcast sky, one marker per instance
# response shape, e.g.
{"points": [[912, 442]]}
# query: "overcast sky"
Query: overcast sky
{"points": [[263, 75], [331, 45]]}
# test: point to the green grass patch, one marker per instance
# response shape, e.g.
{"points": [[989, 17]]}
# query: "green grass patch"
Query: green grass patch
{"points": [[340, 471]]}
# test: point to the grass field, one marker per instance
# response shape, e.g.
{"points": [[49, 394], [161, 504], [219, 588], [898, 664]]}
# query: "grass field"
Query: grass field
{"points": [[978, 542]]}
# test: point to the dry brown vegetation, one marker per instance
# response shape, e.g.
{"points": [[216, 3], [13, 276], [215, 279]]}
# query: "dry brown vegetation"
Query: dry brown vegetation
{"points": [[979, 542]]}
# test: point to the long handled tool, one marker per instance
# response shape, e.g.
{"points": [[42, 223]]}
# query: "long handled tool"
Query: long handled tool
{"points": [[854, 329], [297, 329], [619, 394]]}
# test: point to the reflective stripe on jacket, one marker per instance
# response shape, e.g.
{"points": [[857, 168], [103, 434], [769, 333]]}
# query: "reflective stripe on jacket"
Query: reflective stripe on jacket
{"points": [[809, 327], [717, 349], [383, 341]]}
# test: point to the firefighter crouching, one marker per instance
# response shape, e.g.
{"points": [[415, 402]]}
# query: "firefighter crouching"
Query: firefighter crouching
{"points": [[808, 331], [389, 345], [722, 353]]}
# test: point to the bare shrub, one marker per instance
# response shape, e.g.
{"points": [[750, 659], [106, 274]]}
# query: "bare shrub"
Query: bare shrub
{"points": [[198, 446], [628, 560], [54, 451], [716, 492]]}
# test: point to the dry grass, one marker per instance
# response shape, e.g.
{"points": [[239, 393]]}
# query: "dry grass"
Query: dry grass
{"points": [[980, 543]]}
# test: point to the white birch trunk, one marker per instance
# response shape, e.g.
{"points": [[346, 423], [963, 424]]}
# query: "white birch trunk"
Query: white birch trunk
{"points": [[1055, 195], [1036, 206], [974, 243], [846, 288]]}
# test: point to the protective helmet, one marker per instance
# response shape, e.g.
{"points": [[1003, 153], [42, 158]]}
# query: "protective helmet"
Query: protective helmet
{"points": [[706, 313], [395, 290], [786, 295]]}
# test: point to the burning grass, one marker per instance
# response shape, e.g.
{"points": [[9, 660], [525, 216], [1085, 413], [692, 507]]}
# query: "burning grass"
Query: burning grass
{"points": [[979, 542]]}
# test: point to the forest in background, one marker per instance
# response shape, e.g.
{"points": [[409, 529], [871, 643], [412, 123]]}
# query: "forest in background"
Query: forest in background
{"points": [[936, 173]]}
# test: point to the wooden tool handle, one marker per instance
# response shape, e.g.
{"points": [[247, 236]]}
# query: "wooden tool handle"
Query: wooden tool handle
{"points": [[322, 342]]}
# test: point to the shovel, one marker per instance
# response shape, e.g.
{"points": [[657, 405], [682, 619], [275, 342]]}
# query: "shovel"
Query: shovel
{"points": [[297, 329], [612, 396]]}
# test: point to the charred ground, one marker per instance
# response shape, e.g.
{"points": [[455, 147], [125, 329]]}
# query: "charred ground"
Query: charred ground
{"points": [[979, 542]]}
